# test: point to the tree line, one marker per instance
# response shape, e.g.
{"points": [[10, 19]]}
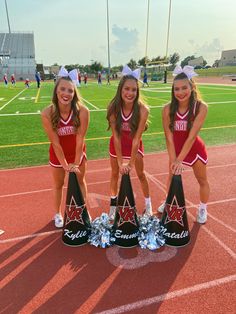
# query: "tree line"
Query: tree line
{"points": [[97, 66]]}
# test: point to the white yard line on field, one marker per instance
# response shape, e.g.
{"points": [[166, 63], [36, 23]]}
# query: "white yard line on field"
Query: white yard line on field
{"points": [[89, 103], [19, 114], [12, 99], [222, 102]]}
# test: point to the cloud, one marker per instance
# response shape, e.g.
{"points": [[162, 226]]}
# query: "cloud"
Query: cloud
{"points": [[126, 40], [209, 50], [211, 47]]}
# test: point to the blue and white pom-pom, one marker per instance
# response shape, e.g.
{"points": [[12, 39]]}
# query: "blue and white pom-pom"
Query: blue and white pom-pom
{"points": [[101, 232], [151, 236]]}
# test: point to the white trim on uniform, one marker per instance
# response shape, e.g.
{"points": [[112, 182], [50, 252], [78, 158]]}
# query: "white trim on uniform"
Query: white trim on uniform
{"points": [[182, 116], [127, 157], [196, 158], [84, 155], [124, 117], [65, 122]]}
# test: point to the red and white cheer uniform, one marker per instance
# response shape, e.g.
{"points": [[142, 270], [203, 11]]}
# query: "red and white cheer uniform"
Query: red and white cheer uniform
{"points": [[180, 134], [126, 139], [67, 137]]}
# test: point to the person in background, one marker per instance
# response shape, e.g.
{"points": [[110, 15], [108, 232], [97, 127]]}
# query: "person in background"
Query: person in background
{"points": [[182, 119], [65, 122], [13, 80], [99, 78], [38, 79], [79, 79], [54, 78], [127, 117], [27, 83], [145, 79], [108, 79], [85, 78], [5, 80]]}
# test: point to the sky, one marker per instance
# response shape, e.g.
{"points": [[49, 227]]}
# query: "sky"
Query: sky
{"points": [[75, 31]]}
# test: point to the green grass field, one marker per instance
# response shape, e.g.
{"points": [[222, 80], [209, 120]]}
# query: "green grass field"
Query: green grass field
{"points": [[24, 143]]}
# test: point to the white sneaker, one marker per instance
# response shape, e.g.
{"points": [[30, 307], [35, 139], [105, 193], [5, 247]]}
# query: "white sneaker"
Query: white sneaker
{"points": [[202, 215], [148, 210], [161, 208], [112, 212], [58, 220]]}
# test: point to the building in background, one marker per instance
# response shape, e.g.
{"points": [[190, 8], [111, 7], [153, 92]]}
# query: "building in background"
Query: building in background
{"points": [[17, 55], [196, 62], [49, 72], [228, 58]]}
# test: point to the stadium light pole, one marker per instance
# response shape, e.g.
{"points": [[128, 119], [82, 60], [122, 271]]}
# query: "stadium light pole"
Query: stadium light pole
{"points": [[167, 41], [146, 46], [168, 30], [108, 41], [8, 17]]}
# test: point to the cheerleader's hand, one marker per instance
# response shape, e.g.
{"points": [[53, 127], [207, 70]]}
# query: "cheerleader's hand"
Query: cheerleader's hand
{"points": [[73, 168], [125, 169], [177, 167]]}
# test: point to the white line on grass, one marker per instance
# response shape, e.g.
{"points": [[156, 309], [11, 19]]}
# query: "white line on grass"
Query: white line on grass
{"points": [[97, 110], [102, 110], [89, 103], [221, 89], [154, 107], [101, 99], [169, 295], [18, 114], [113, 86], [155, 88], [157, 91], [33, 113], [12, 99], [221, 102]]}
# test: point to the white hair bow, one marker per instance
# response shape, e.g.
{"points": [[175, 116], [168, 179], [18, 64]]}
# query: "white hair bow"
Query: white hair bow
{"points": [[187, 70], [73, 74], [127, 71]]}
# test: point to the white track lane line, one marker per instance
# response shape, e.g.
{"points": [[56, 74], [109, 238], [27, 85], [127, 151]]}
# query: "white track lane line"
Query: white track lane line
{"points": [[170, 295], [152, 178], [211, 234], [34, 235]]}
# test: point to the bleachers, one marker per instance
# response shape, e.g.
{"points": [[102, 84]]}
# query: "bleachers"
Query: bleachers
{"points": [[17, 55]]}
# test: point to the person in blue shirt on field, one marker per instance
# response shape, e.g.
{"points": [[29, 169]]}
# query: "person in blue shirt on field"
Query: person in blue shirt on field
{"points": [[145, 79], [38, 79], [5, 80]]}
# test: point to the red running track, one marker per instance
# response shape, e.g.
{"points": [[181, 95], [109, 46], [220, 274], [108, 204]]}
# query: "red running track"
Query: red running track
{"points": [[39, 274]]}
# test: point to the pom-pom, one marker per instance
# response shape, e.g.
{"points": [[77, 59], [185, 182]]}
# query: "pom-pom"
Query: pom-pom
{"points": [[151, 236], [101, 232]]}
